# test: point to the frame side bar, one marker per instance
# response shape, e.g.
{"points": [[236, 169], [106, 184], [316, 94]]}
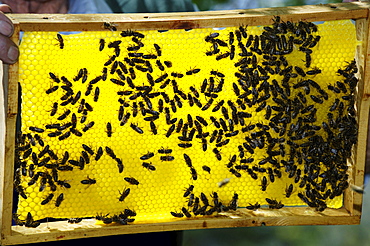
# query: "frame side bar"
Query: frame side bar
{"points": [[7, 172], [353, 200]]}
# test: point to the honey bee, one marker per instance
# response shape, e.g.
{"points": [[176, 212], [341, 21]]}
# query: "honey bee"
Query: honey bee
{"points": [[64, 136], [222, 56], [99, 154], [253, 207], [300, 71], [30, 222], [170, 130], [124, 194], [264, 183], [102, 44], [131, 180], [110, 152], [168, 64], [149, 166], [54, 77], [84, 75], [85, 157], [88, 149], [125, 119], [88, 126], [74, 220], [60, 40], [47, 199], [117, 82], [211, 36], [52, 89], [308, 60], [186, 212], [59, 200], [119, 165], [153, 128], [236, 173], [39, 140], [21, 192], [167, 158], [185, 145], [17, 220], [194, 174], [217, 153], [177, 215], [109, 129], [64, 115], [218, 74], [150, 56], [158, 49], [129, 33], [188, 160], [36, 129], [54, 109], [96, 94], [110, 26], [63, 184], [201, 120], [234, 202], [164, 151], [88, 181], [147, 156], [188, 190], [289, 190], [273, 204], [193, 71], [133, 48], [207, 169]]}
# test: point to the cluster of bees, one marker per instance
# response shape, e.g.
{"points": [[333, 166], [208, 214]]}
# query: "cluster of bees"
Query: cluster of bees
{"points": [[202, 206], [123, 218], [28, 222], [313, 154]]}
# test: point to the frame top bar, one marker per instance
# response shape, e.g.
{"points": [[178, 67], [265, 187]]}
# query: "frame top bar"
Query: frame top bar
{"points": [[189, 20]]}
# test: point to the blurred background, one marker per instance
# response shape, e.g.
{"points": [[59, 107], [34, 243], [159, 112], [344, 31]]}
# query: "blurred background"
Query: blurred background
{"points": [[250, 4], [338, 235], [280, 235]]}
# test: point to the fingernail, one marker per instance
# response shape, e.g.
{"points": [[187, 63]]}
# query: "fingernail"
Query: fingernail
{"points": [[5, 28], [13, 53]]}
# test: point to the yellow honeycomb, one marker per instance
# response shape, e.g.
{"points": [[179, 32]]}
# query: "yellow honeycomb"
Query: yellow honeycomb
{"points": [[160, 191]]}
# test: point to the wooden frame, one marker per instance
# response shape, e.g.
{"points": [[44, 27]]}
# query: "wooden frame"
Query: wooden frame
{"points": [[349, 214]]}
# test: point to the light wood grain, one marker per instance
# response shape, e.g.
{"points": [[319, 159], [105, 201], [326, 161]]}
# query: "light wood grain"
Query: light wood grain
{"points": [[2, 147], [241, 218], [188, 20], [353, 200], [10, 102]]}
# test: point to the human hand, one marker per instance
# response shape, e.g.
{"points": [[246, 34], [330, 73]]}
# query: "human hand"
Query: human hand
{"points": [[9, 51]]}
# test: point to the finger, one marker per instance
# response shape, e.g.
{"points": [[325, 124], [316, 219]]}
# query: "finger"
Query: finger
{"points": [[9, 51], [5, 8], [6, 25]]}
